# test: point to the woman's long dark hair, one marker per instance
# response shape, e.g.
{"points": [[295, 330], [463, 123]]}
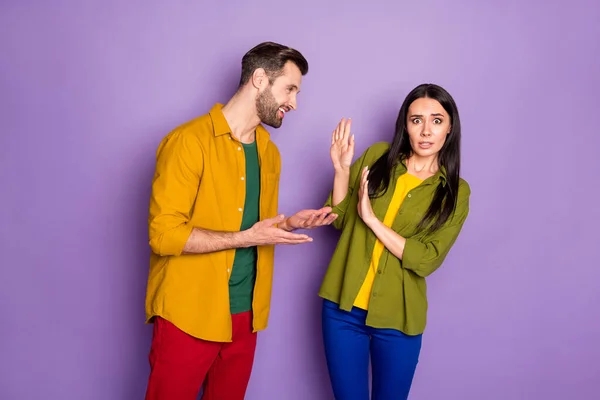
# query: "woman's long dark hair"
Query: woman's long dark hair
{"points": [[444, 200]]}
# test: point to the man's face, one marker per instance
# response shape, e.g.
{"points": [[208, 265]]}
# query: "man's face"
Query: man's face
{"points": [[279, 97]]}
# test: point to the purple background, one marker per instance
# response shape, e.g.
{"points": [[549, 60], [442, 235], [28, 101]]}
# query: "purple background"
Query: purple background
{"points": [[88, 91]]}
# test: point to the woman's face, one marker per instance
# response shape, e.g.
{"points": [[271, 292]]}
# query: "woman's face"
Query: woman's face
{"points": [[427, 124]]}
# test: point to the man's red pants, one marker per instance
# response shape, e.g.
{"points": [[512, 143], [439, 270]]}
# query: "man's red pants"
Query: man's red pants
{"points": [[180, 364]]}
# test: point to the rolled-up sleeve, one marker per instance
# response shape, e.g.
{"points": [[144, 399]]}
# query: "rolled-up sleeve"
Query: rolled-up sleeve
{"points": [[423, 257], [340, 208], [179, 166]]}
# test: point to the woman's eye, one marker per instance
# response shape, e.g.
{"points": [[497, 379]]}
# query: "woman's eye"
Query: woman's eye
{"points": [[437, 121]]}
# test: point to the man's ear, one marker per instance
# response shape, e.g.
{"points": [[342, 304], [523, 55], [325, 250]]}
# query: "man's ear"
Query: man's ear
{"points": [[260, 78]]}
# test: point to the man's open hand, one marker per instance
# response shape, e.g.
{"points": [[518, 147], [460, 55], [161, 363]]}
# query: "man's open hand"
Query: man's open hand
{"points": [[308, 219], [267, 232]]}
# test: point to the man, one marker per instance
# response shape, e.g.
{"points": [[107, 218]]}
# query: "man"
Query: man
{"points": [[212, 230]]}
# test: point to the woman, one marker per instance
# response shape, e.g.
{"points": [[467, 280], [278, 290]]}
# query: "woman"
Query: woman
{"points": [[401, 208]]}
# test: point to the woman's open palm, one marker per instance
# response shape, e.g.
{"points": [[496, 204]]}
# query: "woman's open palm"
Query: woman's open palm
{"points": [[342, 145]]}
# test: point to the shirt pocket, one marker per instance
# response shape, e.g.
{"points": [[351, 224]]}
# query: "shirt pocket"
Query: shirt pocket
{"points": [[269, 193], [407, 219]]}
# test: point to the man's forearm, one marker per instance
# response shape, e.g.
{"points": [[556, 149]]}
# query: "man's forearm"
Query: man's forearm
{"points": [[206, 241]]}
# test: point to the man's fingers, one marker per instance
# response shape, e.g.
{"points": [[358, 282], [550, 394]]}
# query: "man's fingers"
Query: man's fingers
{"points": [[294, 239], [331, 218], [317, 220], [321, 218], [325, 219], [308, 221], [288, 241], [326, 210], [294, 242], [274, 220], [294, 236]]}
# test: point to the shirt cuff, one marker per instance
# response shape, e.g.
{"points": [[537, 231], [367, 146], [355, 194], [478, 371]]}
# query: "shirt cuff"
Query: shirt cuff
{"points": [[171, 243], [413, 254]]}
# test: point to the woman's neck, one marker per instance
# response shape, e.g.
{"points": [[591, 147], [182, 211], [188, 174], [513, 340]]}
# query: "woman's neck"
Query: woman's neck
{"points": [[422, 167]]}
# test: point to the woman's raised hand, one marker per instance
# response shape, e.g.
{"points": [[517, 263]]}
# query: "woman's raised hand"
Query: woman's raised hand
{"points": [[342, 145]]}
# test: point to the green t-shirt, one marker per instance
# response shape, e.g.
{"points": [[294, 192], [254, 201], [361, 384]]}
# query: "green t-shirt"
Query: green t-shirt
{"points": [[243, 274]]}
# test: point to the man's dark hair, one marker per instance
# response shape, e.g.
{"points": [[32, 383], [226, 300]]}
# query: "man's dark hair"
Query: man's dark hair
{"points": [[271, 57]]}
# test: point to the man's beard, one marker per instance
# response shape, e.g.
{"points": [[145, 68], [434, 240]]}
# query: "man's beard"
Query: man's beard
{"points": [[268, 109]]}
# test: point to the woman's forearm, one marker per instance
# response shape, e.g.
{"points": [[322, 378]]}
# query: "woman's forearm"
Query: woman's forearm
{"points": [[340, 186], [390, 239]]}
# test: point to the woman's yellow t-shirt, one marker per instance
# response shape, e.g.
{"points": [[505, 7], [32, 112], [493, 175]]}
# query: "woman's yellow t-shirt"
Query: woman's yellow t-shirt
{"points": [[406, 182]]}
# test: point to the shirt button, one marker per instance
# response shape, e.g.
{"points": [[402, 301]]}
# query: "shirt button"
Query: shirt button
{"points": [[242, 178], [228, 270], [379, 272], [239, 148], [409, 195], [239, 209]]}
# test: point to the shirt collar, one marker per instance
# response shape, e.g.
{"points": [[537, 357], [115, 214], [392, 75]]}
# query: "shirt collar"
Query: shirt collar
{"points": [[221, 127], [440, 175]]}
